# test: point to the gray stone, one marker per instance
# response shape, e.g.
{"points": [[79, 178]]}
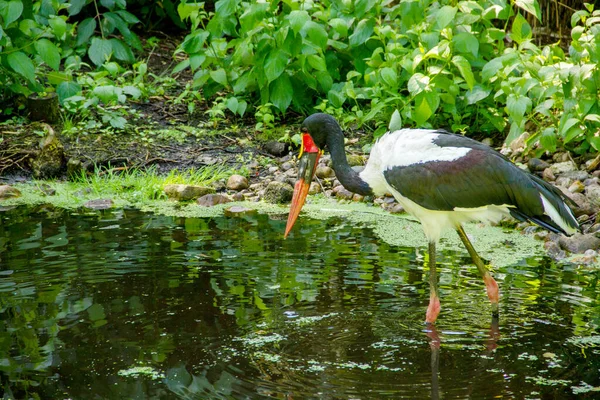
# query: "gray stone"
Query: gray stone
{"points": [[287, 165], [548, 175], [562, 167], [238, 211], [50, 159], [183, 192], [314, 188], [209, 200], [592, 192], [537, 165], [579, 243], [554, 250], [8, 192], [237, 182], [278, 192], [238, 197], [99, 204], [276, 148], [576, 187], [74, 167], [324, 171], [576, 175], [343, 193]]}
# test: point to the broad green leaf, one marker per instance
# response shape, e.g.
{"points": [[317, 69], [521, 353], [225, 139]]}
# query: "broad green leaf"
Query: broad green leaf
{"points": [[444, 16], [281, 92], [389, 76], [521, 30], [418, 83], [196, 60], [22, 65], [219, 76], [464, 68], [298, 18], [531, 6], [100, 50], [59, 26], [11, 11], [567, 125], [593, 118], [573, 133], [232, 104], [107, 93], [362, 6], [181, 66], [57, 77], [490, 69], [466, 42], [275, 64], [325, 80], [426, 103], [194, 42], [85, 30], [339, 26], [395, 121], [242, 82], [476, 94], [317, 62], [336, 98], [110, 4], [517, 107], [548, 140], [48, 52], [316, 34], [362, 32], [132, 91], [121, 51], [75, 6], [128, 17], [67, 89], [225, 7]]}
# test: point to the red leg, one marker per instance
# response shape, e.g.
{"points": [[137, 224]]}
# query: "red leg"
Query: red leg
{"points": [[434, 301]]}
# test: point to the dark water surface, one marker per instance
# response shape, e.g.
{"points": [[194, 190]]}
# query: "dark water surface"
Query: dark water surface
{"points": [[119, 304]]}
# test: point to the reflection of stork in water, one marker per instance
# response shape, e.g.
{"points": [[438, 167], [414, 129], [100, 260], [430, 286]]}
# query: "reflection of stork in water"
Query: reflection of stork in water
{"points": [[435, 342], [442, 179]]}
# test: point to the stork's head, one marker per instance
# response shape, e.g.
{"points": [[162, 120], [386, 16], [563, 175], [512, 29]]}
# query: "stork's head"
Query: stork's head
{"points": [[314, 138]]}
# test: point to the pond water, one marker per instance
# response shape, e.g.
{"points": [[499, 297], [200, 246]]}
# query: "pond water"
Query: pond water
{"points": [[119, 304]]}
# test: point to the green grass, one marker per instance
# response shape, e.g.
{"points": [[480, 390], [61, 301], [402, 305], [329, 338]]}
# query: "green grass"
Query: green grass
{"points": [[136, 185]]}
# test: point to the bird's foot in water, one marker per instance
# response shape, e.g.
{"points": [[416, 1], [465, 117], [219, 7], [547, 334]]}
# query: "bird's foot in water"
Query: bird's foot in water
{"points": [[433, 309], [493, 292]]}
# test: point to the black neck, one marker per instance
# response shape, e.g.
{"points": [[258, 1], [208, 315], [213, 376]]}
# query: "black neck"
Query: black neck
{"points": [[349, 178]]}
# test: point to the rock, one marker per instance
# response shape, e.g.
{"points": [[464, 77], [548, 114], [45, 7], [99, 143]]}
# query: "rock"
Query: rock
{"points": [[291, 173], [562, 167], [576, 175], [576, 187], [560, 157], [548, 175], [276, 148], [579, 243], [488, 141], [584, 206], [49, 161], [238, 211], [183, 192], [314, 188], [47, 190], [562, 181], [219, 186], [343, 193], [324, 171], [537, 165], [395, 209], [74, 167], [354, 159], [273, 169], [358, 197], [9, 192], [237, 182], [99, 204], [592, 192], [278, 192], [589, 257], [212, 199], [554, 250], [238, 197], [287, 165]]}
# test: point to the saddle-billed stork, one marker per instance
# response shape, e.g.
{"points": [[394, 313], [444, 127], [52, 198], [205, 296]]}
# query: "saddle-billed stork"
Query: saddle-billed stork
{"points": [[442, 179]]}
